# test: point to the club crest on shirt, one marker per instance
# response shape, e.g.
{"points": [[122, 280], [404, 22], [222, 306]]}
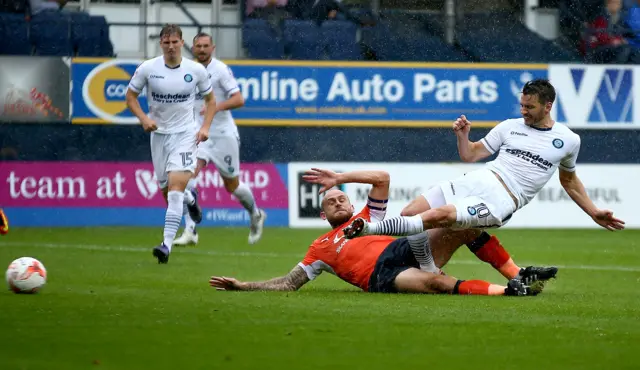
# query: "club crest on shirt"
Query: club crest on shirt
{"points": [[558, 143], [188, 77]]}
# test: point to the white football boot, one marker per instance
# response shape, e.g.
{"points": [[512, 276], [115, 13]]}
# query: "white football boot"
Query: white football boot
{"points": [[188, 237], [257, 224]]}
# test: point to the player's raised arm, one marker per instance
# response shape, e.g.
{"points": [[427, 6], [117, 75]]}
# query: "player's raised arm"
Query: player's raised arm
{"points": [[328, 179], [294, 280], [378, 195], [136, 85], [474, 151]]}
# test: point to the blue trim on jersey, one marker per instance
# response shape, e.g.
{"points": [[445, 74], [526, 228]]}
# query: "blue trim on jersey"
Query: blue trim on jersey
{"points": [[176, 67], [542, 128], [489, 145], [135, 87]]}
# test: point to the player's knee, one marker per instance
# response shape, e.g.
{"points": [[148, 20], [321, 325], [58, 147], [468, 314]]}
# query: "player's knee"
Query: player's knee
{"points": [[417, 206], [231, 184], [438, 284], [178, 180], [437, 215], [408, 211]]}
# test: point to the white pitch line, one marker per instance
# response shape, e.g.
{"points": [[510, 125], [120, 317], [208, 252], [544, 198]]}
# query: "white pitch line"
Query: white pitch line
{"points": [[190, 250]]}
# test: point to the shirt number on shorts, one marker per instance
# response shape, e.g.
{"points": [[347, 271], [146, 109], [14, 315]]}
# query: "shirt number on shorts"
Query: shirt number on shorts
{"points": [[479, 210], [186, 159]]}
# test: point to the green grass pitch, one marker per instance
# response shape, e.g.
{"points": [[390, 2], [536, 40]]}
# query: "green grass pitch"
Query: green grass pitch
{"points": [[109, 305]]}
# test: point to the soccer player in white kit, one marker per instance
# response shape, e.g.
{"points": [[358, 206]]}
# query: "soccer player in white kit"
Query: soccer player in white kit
{"points": [[530, 149], [223, 147], [171, 83]]}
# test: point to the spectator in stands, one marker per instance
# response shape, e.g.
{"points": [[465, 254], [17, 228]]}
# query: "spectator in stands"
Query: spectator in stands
{"points": [[273, 11], [633, 25], [323, 10], [605, 42], [264, 8], [38, 6]]}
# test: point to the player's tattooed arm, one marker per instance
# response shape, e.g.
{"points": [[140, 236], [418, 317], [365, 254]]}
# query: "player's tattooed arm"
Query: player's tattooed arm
{"points": [[294, 280]]}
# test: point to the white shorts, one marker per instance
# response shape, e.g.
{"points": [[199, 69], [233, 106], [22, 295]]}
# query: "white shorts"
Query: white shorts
{"points": [[224, 152], [480, 199], [173, 152]]}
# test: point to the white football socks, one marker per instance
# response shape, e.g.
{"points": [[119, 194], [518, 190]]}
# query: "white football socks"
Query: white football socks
{"points": [[173, 217], [245, 196], [422, 251]]}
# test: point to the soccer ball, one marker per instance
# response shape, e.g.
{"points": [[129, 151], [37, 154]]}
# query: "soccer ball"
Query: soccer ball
{"points": [[26, 275]]}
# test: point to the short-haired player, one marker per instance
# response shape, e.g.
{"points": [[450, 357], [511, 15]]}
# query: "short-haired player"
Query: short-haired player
{"points": [[172, 83], [530, 150], [223, 147]]}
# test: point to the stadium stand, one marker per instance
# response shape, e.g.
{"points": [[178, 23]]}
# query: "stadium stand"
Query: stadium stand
{"points": [[507, 40], [261, 40], [399, 35], [52, 33]]}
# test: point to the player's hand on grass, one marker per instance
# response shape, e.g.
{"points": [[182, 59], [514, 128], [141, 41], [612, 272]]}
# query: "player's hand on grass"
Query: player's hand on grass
{"points": [[149, 125], [326, 178], [604, 218], [225, 283], [203, 135], [462, 125]]}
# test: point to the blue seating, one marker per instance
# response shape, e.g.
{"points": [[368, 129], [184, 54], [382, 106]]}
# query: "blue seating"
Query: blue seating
{"points": [[304, 40], [508, 40], [51, 34], [106, 47], [15, 35], [261, 41], [340, 40], [390, 45]]}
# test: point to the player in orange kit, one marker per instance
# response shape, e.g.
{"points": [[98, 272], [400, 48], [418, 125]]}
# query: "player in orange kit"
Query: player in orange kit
{"points": [[4, 223], [373, 263]]}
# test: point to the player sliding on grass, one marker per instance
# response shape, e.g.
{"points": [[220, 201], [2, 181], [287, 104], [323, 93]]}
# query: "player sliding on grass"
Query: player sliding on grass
{"points": [[531, 148], [376, 263]]}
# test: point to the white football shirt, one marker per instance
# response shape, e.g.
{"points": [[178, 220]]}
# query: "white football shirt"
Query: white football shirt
{"points": [[529, 156], [224, 85], [171, 92]]}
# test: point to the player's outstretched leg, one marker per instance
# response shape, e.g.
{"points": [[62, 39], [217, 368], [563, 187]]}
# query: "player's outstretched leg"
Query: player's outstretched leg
{"points": [[444, 216], [397, 226], [489, 249], [532, 274], [413, 280]]}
